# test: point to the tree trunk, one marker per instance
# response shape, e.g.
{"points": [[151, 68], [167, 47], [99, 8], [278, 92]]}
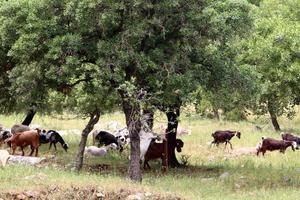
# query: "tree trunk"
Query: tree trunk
{"points": [[149, 117], [216, 114], [172, 116], [273, 117], [29, 117], [132, 114], [275, 122], [94, 118]]}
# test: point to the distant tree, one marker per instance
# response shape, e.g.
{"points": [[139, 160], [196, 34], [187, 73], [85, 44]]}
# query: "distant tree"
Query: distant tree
{"points": [[272, 51]]}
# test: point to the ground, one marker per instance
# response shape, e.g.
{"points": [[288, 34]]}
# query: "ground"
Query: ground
{"points": [[211, 172]]}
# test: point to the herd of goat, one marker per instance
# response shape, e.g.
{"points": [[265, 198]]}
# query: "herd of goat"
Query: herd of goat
{"points": [[266, 144], [23, 136]]}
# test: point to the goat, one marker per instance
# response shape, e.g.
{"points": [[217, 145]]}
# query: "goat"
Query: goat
{"points": [[122, 136], [290, 137], [102, 151], [23, 139], [224, 136], [4, 134], [158, 150], [54, 137], [18, 128], [104, 137], [271, 144]]}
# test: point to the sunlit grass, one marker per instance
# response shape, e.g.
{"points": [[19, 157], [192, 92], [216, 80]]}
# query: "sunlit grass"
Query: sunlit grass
{"points": [[275, 176]]}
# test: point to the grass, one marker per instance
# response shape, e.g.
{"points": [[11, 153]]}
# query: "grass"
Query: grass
{"points": [[275, 176]]}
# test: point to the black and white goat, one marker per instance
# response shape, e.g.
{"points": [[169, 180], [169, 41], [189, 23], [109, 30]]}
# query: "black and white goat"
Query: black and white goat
{"points": [[53, 137]]}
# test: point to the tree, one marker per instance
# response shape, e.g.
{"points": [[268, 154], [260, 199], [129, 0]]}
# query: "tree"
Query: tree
{"points": [[272, 52], [54, 62], [158, 49]]}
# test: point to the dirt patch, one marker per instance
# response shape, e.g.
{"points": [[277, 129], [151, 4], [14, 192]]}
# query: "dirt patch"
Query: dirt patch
{"points": [[54, 192], [242, 151]]}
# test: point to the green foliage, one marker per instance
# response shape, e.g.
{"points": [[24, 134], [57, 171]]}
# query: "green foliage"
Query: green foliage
{"points": [[53, 52], [273, 52]]}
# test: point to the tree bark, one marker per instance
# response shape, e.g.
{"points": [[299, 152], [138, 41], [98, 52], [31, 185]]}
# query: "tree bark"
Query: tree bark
{"points": [[273, 117], [172, 115], [29, 117], [132, 114], [275, 122], [94, 118]]}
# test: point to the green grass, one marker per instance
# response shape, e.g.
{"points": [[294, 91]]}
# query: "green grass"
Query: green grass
{"points": [[275, 176]]}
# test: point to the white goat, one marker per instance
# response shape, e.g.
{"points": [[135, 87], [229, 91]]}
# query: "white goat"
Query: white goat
{"points": [[102, 151]]}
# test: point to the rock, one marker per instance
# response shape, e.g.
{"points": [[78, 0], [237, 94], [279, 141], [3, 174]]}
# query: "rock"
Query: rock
{"points": [[21, 196], [4, 156], [26, 160], [211, 158], [224, 175], [148, 194], [134, 197], [237, 186], [100, 195], [32, 194]]}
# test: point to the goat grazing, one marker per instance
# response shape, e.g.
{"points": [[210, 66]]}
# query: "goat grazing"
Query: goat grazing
{"points": [[270, 144], [102, 151], [224, 136], [158, 150], [54, 137], [290, 137], [23, 139]]}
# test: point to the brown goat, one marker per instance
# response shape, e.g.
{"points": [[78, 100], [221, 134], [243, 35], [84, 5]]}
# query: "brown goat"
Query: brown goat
{"points": [[23, 139], [158, 150], [224, 136], [270, 144]]}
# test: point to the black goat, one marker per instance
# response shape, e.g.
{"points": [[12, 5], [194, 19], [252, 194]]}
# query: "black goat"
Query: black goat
{"points": [[290, 137], [105, 138], [53, 137], [224, 137]]}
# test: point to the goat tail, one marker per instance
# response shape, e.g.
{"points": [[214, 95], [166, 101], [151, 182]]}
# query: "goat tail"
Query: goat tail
{"points": [[259, 145]]}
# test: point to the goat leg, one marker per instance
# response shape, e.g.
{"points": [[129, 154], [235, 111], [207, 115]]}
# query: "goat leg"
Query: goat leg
{"points": [[32, 149], [54, 146], [230, 144], [146, 165], [225, 145], [50, 145], [13, 150], [36, 151], [23, 153]]}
